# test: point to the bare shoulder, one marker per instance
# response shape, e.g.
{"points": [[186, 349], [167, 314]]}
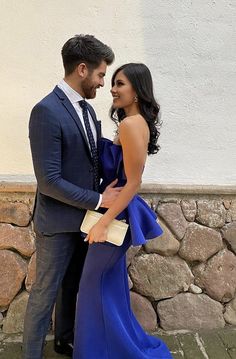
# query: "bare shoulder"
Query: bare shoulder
{"points": [[134, 129], [133, 122]]}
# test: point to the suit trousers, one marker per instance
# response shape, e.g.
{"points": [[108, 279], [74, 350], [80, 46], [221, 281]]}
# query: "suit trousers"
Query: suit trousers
{"points": [[59, 263]]}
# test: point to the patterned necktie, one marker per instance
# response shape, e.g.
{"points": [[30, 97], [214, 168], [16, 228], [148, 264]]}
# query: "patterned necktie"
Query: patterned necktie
{"points": [[94, 152]]}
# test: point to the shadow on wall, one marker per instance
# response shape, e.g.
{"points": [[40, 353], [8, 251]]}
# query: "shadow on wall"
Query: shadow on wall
{"points": [[188, 49]]}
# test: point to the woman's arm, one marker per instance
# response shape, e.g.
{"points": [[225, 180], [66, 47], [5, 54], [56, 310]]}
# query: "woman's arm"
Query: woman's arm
{"points": [[133, 136]]}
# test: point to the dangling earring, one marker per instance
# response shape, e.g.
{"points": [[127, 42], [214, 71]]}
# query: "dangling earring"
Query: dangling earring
{"points": [[135, 99]]}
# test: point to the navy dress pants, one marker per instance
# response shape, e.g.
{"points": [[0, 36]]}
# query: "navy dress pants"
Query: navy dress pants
{"points": [[59, 263]]}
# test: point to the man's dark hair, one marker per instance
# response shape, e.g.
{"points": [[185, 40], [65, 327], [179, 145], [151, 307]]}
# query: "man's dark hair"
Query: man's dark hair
{"points": [[87, 49]]}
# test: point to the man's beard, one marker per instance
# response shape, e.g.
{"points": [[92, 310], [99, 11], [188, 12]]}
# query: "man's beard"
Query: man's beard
{"points": [[88, 89]]}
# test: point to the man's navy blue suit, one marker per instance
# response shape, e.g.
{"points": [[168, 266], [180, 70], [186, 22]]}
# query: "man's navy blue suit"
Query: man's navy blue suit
{"points": [[65, 179], [62, 164]]}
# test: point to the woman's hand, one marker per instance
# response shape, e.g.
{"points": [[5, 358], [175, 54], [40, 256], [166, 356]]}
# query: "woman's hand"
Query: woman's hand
{"points": [[98, 233]]}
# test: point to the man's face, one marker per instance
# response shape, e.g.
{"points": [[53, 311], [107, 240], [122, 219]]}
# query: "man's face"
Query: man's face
{"points": [[94, 80]]}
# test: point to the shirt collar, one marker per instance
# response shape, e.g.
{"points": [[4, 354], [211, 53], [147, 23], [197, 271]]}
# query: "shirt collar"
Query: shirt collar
{"points": [[72, 95]]}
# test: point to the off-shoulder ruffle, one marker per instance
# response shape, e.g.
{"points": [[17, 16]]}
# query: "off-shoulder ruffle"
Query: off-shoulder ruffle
{"points": [[141, 218]]}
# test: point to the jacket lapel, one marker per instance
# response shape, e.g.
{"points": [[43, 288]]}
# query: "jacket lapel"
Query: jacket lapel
{"points": [[69, 107]]}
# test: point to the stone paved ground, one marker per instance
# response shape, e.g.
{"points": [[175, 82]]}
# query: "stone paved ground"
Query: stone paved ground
{"points": [[215, 344]]}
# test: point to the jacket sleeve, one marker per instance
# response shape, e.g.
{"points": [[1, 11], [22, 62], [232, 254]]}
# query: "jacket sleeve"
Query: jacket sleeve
{"points": [[45, 142]]}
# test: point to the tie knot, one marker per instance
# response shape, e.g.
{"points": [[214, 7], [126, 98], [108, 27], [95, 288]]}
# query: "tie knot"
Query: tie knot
{"points": [[83, 104]]}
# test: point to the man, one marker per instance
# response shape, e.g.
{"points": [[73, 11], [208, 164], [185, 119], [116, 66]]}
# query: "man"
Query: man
{"points": [[63, 133]]}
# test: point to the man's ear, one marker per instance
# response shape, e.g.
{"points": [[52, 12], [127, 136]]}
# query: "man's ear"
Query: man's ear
{"points": [[82, 70]]}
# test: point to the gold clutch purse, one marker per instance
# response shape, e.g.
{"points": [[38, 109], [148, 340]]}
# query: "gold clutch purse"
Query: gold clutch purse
{"points": [[116, 229]]}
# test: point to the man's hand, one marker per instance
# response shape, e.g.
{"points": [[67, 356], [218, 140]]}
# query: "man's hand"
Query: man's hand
{"points": [[110, 194]]}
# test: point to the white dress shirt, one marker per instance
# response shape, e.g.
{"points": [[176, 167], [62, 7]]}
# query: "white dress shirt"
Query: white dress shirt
{"points": [[74, 97]]}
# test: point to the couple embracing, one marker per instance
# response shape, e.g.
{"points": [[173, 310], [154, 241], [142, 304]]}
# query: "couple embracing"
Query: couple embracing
{"points": [[76, 169]]}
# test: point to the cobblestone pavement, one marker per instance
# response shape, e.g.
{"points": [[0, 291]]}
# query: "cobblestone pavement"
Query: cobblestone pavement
{"points": [[214, 344]]}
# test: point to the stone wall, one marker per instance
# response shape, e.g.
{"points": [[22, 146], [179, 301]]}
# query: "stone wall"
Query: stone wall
{"points": [[185, 279]]}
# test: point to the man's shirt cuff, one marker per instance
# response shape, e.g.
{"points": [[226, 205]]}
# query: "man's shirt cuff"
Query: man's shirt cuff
{"points": [[99, 202]]}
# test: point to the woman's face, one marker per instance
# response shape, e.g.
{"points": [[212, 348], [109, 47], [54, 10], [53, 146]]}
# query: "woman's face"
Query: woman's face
{"points": [[122, 91]]}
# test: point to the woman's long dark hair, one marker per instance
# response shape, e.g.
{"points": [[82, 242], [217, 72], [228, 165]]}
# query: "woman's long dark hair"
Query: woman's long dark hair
{"points": [[141, 81]]}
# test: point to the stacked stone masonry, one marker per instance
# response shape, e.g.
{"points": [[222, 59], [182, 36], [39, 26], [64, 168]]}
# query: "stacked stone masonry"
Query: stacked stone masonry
{"points": [[185, 279]]}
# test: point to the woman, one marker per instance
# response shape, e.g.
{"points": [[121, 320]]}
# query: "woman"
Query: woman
{"points": [[105, 325]]}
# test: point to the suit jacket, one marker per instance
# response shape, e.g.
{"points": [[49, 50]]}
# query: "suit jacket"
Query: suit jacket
{"points": [[62, 164]]}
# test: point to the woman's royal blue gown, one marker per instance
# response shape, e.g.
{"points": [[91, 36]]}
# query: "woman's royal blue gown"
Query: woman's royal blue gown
{"points": [[105, 326]]}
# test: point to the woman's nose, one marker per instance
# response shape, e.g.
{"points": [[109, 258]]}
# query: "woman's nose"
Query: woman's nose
{"points": [[112, 90]]}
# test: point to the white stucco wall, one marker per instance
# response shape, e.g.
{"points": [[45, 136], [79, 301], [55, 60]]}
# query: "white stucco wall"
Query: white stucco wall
{"points": [[190, 47]]}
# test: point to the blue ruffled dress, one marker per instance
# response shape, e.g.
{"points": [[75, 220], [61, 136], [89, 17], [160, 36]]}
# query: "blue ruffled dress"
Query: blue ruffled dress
{"points": [[105, 326]]}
